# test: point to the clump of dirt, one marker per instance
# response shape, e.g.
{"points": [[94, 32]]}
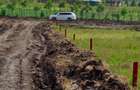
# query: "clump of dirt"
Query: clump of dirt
{"points": [[37, 58], [2, 63]]}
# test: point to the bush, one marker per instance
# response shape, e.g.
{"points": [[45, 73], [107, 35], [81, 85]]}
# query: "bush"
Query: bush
{"points": [[42, 14], [116, 16], [100, 8], [3, 12], [10, 6], [124, 13]]}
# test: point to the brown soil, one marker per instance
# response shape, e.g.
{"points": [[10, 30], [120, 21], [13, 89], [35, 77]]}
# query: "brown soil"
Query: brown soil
{"points": [[33, 57]]}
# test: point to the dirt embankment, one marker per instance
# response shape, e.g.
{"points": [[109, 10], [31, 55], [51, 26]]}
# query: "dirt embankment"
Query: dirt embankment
{"points": [[33, 57]]}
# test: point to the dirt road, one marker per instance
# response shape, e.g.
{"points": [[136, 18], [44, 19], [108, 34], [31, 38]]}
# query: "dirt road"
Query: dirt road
{"points": [[15, 72]]}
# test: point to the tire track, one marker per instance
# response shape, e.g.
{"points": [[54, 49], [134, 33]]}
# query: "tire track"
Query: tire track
{"points": [[16, 73]]}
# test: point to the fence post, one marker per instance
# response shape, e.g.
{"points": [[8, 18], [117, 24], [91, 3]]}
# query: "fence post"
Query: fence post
{"points": [[74, 36], [91, 44], [65, 32], [59, 27], [135, 74]]}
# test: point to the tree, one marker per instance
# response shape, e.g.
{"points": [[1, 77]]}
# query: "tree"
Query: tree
{"points": [[48, 6], [100, 8], [77, 5], [10, 6], [86, 9], [93, 15], [124, 12], [105, 1], [72, 8], [23, 3], [3, 12], [127, 2], [133, 3], [2, 1], [139, 4], [116, 16], [36, 8], [82, 13], [62, 5], [42, 14], [106, 16], [130, 15]]}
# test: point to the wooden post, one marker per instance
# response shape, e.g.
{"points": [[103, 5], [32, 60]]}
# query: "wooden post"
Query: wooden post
{"points": [[135, 74], [55, 23], [65, 32], [91, 43], [59, 27], [74, 36]]}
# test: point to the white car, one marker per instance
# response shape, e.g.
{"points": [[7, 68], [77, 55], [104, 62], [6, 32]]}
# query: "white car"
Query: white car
{"points": [[63, 16]]}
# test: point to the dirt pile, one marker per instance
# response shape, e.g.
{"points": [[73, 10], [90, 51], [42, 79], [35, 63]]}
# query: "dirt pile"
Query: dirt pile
{"points": [[34, 57]]}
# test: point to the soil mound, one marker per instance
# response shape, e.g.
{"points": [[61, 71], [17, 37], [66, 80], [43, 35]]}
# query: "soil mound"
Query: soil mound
{"points": [[34, 57]]}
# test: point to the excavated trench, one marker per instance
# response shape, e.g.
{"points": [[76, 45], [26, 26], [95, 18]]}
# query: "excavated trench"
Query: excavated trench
{"points": [[34, 57]]}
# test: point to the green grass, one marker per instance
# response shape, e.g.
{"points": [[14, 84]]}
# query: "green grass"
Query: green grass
{"points": [[118, 48]]}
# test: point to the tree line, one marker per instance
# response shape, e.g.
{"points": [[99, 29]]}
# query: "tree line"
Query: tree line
{"points": [[84, 10]]}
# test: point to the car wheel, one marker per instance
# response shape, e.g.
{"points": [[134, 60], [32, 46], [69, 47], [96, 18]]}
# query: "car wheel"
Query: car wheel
{"points": [[54, 18], [69, 19]]}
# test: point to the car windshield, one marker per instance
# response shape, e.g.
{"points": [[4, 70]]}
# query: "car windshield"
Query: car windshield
{"points": [[65, 13]]}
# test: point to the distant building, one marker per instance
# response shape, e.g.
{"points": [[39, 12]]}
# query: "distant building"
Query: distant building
{"points": [[73, 1], [115, 2], [93, 2]]}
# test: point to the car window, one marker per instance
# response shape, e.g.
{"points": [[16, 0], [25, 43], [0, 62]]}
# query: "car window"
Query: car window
{"points": [[64, 13]]}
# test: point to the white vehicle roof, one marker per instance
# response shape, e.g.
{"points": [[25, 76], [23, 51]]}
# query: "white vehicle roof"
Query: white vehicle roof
{"points": [[65, 12], [93, 0]]}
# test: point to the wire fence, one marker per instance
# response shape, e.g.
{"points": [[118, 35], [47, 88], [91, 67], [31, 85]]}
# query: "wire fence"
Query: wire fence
{"points": [[18, 12], [44, 13]]}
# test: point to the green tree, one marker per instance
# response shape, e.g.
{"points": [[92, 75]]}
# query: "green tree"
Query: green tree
{"points": [[2, 1], [42, 14], [127, 2], [62, 5], [106, 16], [49, 6], [130, 14], [100, 9], [124, 12], [116, 16], [72, 8], [93, 15], [10, 6], [87, 8], [82, 13], [3, 12], [133, 3], [105, 1], [23, 3], [77, 5], [139, 4]]}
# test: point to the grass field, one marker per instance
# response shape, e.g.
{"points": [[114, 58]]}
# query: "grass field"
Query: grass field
{"points": [[118, 48]]}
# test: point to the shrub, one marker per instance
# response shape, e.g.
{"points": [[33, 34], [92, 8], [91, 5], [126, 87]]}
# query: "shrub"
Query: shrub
{"points": [[100, 8], [3, 12], [124, 12]]}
